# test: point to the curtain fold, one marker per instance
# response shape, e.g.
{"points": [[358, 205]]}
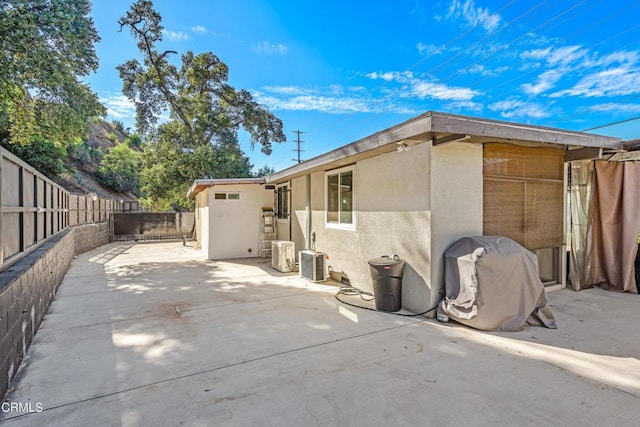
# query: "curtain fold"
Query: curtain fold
{"points": [[615, 223], [581, 204]]}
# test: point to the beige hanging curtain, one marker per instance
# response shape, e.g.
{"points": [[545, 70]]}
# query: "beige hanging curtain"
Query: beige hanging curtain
{"points": [[615, 222], [581, 208]]}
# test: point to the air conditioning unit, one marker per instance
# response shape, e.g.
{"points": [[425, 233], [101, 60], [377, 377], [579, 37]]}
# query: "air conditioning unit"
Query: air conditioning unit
{"points": [[313, 266], [283, 255]]}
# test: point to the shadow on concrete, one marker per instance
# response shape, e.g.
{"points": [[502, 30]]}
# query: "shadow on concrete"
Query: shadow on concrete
{"points": [[162, 336]]}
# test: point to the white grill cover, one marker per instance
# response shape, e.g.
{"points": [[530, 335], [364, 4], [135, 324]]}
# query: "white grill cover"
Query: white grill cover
{"points": [[492, 284]]}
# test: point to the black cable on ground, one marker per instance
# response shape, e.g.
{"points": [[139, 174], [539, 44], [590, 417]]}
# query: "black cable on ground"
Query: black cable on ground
{"points": [[355, 291]]}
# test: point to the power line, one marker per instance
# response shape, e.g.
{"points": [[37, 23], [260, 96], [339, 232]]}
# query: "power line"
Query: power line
{"points": [[429, 56], [506, 45], [520, 76], [612, 124], [492, 35], [566, 17]]}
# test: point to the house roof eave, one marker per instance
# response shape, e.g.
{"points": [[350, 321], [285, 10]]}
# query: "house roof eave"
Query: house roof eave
{"points": [[432, 126], [200, 184]]}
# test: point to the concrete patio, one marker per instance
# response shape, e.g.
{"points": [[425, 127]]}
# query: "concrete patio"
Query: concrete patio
{"points": [[153, 334]]}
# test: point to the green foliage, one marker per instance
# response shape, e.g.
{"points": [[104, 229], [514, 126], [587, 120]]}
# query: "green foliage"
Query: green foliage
{"points": [[78, 150], [42, 154], [120, 126], [85, 155], [95, 154], [200, 139], [264, 171], [112, 137], [120, 169], [134, 141], [164, 164], [47, 45]]}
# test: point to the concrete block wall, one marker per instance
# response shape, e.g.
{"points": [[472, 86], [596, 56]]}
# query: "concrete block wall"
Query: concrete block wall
{"points": [[28, 287], [90, 236], [26, 291]]}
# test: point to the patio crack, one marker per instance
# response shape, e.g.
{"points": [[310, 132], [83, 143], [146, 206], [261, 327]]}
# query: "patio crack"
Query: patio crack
{"points": [[178, 307], [306, 395], [218, 368]]}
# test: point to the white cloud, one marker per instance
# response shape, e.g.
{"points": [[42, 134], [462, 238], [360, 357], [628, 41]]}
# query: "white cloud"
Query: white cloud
{"points": [[620, 57], [176, 35], [546, 81], [473, 15], [324, 104], [514, 108], [429, 49], [119, 106], [564, 56], [389, 76], [616, 108], [290, 90], [623, 80], [268, 48], [331, 100], [199, 29], [484, 71], [475, 107], [357, 88], [423, 89]]}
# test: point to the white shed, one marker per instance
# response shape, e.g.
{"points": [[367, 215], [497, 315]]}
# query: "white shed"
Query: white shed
{"points": [[229, 216]]}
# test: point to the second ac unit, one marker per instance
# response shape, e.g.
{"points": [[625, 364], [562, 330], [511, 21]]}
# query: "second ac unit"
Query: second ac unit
{"points": [[313, 266]]}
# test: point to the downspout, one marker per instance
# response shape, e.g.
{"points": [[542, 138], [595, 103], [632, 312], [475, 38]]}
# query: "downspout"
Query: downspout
{"points": [[290, 201], [308, 208]]}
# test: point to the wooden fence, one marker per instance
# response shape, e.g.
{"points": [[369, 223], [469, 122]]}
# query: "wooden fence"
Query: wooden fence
{"points": [[33, 208]]}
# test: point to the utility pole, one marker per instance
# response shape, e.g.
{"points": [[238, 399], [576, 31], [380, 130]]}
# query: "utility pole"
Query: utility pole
{"points": [[299, 141]]}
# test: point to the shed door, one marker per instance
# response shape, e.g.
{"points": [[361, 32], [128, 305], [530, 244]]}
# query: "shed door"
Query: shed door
{"points": [[523, 198]]}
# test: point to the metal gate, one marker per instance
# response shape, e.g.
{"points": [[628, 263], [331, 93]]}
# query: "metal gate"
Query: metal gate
{"points": [[152, 226]]}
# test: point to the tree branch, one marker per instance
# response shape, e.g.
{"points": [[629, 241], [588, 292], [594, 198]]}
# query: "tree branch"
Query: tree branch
{"points": [[155, 62]]}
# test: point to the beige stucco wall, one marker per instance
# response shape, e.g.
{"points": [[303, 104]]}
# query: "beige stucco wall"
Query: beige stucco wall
{"points": [[202, 221], [414, 204], [456, 200], [299, 213], [235, 226], [392, 205]]}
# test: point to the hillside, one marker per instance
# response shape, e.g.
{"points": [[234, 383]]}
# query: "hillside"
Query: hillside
{"points": [[84, 160]]}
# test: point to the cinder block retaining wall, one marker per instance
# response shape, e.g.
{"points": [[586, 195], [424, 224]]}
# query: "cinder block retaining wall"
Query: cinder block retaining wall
{"points": [[28, 287], [90, 236]]}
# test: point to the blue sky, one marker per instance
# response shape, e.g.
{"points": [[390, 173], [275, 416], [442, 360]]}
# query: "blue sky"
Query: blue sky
{"points": [[342, 70]]}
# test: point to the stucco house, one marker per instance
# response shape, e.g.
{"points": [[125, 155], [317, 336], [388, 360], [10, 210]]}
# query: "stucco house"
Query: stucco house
{"points": [[413, 190]]}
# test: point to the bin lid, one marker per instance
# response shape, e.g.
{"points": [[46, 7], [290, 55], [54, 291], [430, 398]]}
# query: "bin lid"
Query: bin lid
{"points": [[382, 261]]}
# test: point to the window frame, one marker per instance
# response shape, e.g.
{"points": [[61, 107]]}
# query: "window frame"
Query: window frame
{"points": [[226, 195], [278, 192], [340, 225]]}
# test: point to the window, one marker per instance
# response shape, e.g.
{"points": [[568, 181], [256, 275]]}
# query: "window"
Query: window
{"points": [[282, 202], [226, 196], [340, 197]]}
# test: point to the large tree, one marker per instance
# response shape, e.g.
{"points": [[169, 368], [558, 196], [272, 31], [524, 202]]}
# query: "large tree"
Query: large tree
{"points": [[205, 112], [47, 46]]}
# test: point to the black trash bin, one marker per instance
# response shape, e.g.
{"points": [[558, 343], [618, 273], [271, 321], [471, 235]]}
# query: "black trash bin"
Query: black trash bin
{"points": [[386, 273]]}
